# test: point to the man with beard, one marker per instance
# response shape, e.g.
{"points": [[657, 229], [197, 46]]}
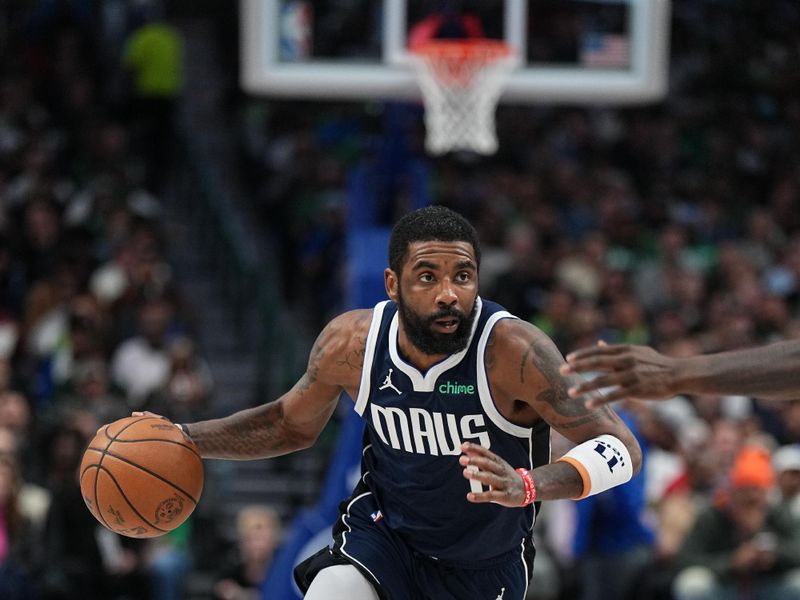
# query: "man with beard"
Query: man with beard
{"points": [[458, 397]]}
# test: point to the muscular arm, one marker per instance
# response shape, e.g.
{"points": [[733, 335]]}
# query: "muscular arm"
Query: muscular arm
{"points": [[771, 371], [523, 367], [293, 421]]}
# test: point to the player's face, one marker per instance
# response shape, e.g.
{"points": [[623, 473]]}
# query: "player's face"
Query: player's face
{"points": [[435, 294]]}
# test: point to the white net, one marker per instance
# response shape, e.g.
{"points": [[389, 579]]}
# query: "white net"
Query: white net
{"points": [[461, 84]]}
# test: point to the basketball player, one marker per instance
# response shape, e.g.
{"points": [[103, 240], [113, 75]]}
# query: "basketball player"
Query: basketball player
{"points": [[458, 397], [630, 371]]}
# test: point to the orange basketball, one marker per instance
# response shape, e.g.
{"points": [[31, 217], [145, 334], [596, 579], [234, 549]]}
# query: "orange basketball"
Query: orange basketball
{"points": [[141, 476]]}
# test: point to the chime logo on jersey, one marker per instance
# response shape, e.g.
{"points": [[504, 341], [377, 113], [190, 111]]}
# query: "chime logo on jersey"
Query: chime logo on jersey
{"points": [[455, 388], [422, 432]]}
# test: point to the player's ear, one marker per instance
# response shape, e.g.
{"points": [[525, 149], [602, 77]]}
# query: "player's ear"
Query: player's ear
{"points": [[390, 280]]}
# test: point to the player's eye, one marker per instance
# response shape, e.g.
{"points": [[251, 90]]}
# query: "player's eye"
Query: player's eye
{"points": [[463, 276], [426, 277]]}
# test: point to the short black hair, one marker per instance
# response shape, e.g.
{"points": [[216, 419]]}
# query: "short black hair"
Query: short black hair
{"points": [[427, 224]]}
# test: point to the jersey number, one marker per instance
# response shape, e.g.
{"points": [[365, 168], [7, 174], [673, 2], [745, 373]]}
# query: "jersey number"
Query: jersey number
{"points": [[601, 450]]}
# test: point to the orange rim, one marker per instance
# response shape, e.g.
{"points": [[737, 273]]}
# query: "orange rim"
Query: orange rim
{"points": [[479, 49]]}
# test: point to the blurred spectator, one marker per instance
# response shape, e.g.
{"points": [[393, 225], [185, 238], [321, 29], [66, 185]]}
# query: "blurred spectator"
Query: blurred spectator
{"points": [[522, 287], [168, 560], [741, 544], [17, 420], [627, 321], [786, 462], [583, 272], [258, 531], [186, 394], [141, 364], [11, 279], [154, 53], [555, 318], [42, 230], [91, 393], [17, 542]]}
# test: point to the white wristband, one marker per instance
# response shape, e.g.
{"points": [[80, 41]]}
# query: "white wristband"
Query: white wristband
{"points": [[603, 462]]}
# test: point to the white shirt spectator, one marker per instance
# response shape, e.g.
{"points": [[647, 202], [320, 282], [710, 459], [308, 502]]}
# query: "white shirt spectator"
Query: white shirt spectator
{"points": [[140, 369]]}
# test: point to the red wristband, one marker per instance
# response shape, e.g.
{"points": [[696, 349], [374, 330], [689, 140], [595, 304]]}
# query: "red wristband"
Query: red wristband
{"points": [[530, 488]]}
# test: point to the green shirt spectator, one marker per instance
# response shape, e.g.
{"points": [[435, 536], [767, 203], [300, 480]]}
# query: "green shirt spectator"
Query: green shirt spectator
{"points": [[155, 54]]}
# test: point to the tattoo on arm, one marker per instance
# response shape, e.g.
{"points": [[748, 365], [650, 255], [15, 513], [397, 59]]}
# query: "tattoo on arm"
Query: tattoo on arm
{"points": [[251, 433], [523, 361], [314, 359], [575, 413], [354, 359]]}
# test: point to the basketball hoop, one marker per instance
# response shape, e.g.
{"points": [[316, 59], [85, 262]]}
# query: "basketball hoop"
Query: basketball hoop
{"points": [[461, 81]]}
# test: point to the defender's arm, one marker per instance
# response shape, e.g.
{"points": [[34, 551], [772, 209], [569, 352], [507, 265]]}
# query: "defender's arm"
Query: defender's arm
{"points": [[771, 371]]}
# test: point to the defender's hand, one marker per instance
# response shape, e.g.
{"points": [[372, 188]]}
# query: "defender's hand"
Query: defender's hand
{"points": [[506, 486], [630, 372]]}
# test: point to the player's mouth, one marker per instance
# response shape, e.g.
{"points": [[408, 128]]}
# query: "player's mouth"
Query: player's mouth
{"points": [[446, 325]]}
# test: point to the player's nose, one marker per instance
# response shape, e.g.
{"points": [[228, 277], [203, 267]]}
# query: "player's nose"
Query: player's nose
{"points": [[446, 295]]}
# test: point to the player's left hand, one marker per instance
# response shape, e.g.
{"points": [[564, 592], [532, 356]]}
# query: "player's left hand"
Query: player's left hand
{"points": [[505, 484]]}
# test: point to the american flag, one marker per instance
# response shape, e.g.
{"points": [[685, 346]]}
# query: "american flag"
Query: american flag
{"points": [[605, 51]]}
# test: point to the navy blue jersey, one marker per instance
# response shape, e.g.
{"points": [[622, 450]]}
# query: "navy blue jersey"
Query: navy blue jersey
{"points": [[416, 423]]}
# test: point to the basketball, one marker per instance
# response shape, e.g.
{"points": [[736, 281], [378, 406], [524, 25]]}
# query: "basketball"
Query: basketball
{"points": [[141, 476]]}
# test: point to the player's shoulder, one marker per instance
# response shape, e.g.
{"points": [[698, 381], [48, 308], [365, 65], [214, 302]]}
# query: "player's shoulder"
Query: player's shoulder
{"points": [[512, 333], [347, 331], [514, 342], [351, 322]]}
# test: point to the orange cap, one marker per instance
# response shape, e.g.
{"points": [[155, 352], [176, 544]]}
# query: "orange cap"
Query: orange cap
{"points": [[753, 468]]}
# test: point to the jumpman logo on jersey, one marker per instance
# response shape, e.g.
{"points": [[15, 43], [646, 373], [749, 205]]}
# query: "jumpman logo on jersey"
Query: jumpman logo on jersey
{"points": [[387, 383], [502, 593]]}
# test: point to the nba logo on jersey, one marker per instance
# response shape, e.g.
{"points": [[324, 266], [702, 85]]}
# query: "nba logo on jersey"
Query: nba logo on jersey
{"points": [[376, 516]]}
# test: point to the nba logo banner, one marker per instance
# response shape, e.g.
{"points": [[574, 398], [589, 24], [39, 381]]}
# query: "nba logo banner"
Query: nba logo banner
{"points": [[376, 516]]}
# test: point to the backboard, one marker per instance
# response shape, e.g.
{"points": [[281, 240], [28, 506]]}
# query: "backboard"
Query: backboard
{"points": [[571, 51]]}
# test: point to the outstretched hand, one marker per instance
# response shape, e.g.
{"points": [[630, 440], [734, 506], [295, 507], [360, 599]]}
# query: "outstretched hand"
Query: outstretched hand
{"points": [[505, 484], [629, 372]]}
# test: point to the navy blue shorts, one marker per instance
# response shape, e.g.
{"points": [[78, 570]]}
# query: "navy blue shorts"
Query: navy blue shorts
{"points": [[400, 573]]}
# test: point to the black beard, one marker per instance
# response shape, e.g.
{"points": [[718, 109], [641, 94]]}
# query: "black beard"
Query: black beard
{"points": [[419, 332]]}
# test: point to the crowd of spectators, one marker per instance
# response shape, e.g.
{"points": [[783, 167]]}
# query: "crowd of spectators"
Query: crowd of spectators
{"points": [[92, 323], [676, 225]]}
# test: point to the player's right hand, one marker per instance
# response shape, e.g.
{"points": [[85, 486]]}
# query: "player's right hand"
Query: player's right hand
{"points": [[628, 372], [505, 485]]}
